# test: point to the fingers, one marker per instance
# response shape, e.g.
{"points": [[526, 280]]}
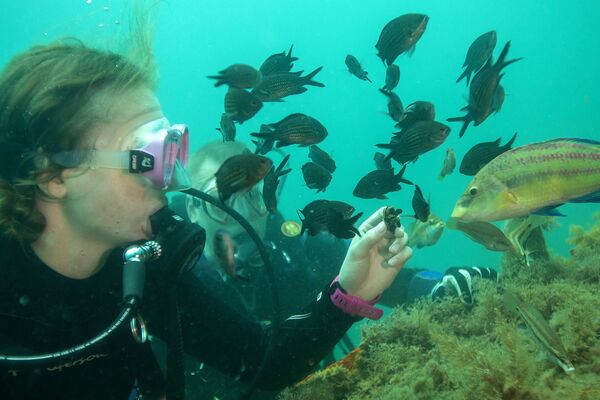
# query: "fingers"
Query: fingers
{"points": [[372, 221], [370, 237], [401, 257]]}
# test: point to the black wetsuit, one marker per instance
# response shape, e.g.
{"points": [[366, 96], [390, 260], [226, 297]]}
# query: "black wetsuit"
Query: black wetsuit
{"points": [[42, 311]]}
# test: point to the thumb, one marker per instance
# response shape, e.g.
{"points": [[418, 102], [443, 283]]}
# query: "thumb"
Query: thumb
{"points": [[370, 238]]}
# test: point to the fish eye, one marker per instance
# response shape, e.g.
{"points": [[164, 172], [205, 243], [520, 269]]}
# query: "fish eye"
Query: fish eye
{"points": [[473, 191]]}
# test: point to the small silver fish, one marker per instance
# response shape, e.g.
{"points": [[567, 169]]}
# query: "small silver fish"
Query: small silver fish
{"points": [[449, 164], [545, 336]]}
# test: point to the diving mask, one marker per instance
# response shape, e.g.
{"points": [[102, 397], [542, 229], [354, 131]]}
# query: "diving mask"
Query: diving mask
{"points": [[160, 153]]}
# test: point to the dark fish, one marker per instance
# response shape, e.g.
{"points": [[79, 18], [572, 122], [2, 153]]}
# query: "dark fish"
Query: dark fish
{"points": [[478, 54], [241, 105], [418, 139], [342, 228], [325, 215], [322, 158], [400, 35], [395, 108], [415, 112], [481, 154], [498, 99], [377, 183], [297, 129], [420, 205], [241, 172], [273, 87], [263, 146], [271, 183], [449, 164], [224, 249], [355, 68], [381, 162], [278, 63], [315, 176], [227, 128], [239, 76], [483, 90], [392, 77]]}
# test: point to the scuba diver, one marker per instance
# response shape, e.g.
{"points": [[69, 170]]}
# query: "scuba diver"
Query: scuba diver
{"points": [[303, 264], [93, 264]]}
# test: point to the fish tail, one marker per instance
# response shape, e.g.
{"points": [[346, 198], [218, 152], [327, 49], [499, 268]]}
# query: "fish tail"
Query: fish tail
{"points": [[289, 54], [466, 120], [501, 62], [279, 171], [220, 81], [264, 133], [308, 78], [385, 92], [466, 74], [511, 141], [399, 179], [351, 221]]}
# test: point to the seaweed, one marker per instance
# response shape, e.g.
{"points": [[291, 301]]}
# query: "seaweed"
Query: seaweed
{"points": [[445, 350]]}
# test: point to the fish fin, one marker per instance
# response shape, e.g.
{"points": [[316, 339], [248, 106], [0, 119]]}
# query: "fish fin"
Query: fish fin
{"points": [[308, 78], [411, 51], [262, 135], [549, 211], [501, 62], [382, 197], [581, 140], [593, 197], [351, 221], [509, 144], [466, 74], [289, 54], [367, 78], [466, 120], [220, 81]]}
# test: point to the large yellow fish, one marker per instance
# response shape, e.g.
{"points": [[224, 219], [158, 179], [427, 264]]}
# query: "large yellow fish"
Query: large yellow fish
{"points": [[533, 179]]}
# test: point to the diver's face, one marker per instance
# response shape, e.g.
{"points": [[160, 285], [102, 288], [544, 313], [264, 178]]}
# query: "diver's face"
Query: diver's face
{"points": [[199, 213], [113, 205]]}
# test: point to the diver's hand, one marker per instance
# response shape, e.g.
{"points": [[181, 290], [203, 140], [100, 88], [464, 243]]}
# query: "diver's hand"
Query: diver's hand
{"points": [[374, 258], [458, 280]]}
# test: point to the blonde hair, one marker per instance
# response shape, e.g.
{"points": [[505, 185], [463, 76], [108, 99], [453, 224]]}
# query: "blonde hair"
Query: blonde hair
{"points": [[46, 106]]}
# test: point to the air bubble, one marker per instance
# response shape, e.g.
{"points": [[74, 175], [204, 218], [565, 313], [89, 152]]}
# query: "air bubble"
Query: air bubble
{"points": [[100, 25]]}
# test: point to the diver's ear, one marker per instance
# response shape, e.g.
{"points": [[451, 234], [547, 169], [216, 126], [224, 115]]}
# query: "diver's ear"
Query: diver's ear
{"points": [[193, 211], [54, 188]]}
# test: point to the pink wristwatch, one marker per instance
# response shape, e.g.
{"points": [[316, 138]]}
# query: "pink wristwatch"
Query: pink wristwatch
{"points": [[354, 305]]}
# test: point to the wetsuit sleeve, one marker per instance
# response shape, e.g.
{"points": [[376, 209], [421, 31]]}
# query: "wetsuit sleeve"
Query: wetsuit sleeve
{"points": [[235, 344]]}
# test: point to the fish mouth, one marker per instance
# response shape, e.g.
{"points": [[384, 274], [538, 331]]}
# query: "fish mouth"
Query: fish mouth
{"points": [[459, 214]]}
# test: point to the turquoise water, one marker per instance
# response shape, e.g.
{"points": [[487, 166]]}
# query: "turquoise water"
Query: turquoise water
{"points": [[553, 92]]}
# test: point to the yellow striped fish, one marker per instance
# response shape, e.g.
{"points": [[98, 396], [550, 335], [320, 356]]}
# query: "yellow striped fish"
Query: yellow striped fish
{"points": [[533, 179]]}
